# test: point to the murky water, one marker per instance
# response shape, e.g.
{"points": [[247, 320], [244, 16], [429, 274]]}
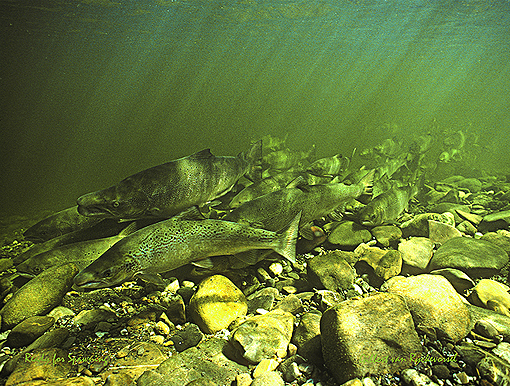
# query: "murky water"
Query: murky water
{"points": [[93, 91]]}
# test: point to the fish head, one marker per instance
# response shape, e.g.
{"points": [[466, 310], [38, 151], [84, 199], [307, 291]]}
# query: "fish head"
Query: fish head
{"points": [[32, 267], [119, 201], [371, 216], [110, 269]]}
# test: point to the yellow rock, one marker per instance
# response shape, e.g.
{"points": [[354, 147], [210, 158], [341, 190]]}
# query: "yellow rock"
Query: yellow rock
{"points": [[216, 304]]}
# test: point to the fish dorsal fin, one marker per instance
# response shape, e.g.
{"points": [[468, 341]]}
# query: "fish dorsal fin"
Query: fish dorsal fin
{"points": [[202, 154], [190, 214]]}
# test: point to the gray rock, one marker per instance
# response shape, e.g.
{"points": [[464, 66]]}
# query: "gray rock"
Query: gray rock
{"points": [[29, 330], [39, 295], [500, 322], [386, 234], [207, 358], [418, 226], [307, 337], [262, 299], [500, 238], [467, 228], [88, 319], [486, 329], [264, 336], [494, 369], [385, 263], [477, 258], [330, 271], [372, 335], [434, 303], [291, 303], [349, 234], [189, 336], [494, 221]]}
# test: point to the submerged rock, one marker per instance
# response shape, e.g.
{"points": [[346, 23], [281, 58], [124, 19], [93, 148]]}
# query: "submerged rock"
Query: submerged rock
{"points": [[434, 304], [372, 335], [217, 303], [478, 258], [330, 271], [264, 336], [492, 295], [39, 295], [349, 234], [416, 252]]}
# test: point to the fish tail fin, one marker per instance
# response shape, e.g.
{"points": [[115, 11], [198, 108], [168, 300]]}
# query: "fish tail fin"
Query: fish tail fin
{"points": [[287, 248], [367, 182], [254, 159]]}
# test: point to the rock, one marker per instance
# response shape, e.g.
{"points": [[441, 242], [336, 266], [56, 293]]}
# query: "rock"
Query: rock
{"points": [[326, 299], [486, 329], [88, 319], [468, 216], [500, 322], [134, 360], [46, 364], [416, 253], [439, 232], [477, 258], [385, 263], [307, 337], [492, 295], [502, 351], [372, 335], [494, 221], [291, 303], [452, 208], [60, 311], [39, 295], [418, 226], [175, 307], [189, 336], [494, 369], [458, 279], [467, 228], [208, 358], [330, 271], [500, 239], [413, 377], [270, 378], [386, 234], [29, 330], [264, 366], [50, 339], [217, 303], [262, 299], [264, 336], [434, 303], [349, 234]]}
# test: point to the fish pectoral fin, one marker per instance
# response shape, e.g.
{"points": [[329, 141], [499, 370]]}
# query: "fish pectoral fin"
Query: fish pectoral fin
{"points": [[204, 263], [253, 256], [153, 278], [306, 231]]}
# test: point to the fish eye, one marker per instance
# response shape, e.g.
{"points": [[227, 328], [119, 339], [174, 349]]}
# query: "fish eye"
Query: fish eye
{"points": [[115, 204], [107, 273]]}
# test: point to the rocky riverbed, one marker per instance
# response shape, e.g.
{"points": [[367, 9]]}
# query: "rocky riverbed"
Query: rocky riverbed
{"points": [[421, 302]]}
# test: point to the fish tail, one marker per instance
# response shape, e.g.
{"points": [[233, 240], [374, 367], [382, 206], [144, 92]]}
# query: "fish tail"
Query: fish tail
{"points": [[367, 182], [287, 248]]}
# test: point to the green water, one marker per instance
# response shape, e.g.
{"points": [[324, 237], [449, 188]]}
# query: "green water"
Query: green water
{"points": [[93, 91]]}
